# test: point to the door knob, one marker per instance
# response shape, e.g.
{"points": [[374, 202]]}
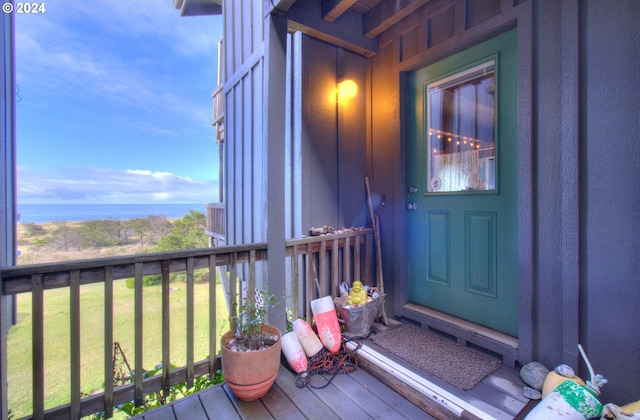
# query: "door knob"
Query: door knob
{"points": [[413, 189], [412, 206]]}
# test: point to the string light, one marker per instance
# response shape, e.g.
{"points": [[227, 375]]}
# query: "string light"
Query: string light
{"points": [[440, 134]]}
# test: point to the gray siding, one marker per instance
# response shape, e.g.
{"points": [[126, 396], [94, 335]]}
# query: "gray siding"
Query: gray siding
{"points": [[255, 58], [579, 198], [579, 163], [610, 192], [333, 139]]}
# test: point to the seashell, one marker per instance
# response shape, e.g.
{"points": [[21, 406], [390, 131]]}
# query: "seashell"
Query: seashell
{"points": [[534, 374], [532, 394], [344, 288], [565, 370]]}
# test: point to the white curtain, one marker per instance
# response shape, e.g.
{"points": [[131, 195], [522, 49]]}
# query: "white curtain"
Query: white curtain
{"points": [[458, 171]]}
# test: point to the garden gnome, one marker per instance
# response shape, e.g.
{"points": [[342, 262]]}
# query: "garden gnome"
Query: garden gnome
{"points": [[358, 296]]}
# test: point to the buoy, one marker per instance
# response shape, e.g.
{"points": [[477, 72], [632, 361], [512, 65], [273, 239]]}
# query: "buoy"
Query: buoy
{"points": [[570, 400], [293, 352], [326, 318], [308, 339]]}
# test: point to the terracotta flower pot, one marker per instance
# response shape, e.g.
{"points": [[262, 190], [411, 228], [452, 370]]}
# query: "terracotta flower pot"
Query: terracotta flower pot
{"points": [[250, 375]]}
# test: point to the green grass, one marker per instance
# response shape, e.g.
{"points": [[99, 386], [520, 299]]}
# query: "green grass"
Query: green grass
{"points": [[57, 358]]}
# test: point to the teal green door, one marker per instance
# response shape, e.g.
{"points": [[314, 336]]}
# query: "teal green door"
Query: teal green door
{"points": [[462, 177]]}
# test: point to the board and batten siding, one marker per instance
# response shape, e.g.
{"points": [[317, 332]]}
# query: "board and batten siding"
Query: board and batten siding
{"points": [[255, 61], [579, 164]]}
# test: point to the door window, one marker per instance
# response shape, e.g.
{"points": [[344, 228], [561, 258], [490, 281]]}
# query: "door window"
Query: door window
{"points": [[461, 137]]}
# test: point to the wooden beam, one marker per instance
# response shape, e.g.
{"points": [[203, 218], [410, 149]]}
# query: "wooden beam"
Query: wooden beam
{"points": [[333, 9], [386, 14], [306, 16]]}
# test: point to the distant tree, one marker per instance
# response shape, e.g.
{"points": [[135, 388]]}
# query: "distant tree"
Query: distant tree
{"points": [[160, 226], [105, 232], [186, 233], [142, 227], [66, 236], [33, 229]]}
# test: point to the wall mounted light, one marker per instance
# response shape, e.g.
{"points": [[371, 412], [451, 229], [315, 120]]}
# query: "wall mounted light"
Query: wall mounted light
{"points": [[347, 89]]}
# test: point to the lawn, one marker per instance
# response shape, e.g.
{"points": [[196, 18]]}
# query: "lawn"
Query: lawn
{"points": [[57, 364]]}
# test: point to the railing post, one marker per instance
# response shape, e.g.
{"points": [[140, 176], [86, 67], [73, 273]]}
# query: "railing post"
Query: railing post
{"points": [[37, 311], [4, 401]]}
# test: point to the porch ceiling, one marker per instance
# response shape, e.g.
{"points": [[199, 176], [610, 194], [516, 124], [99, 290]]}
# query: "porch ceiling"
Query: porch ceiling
{"points": [[377, 15], [351, 24]]}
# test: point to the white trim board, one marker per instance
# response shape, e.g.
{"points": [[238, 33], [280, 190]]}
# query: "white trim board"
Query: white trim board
{"points": [[430, 390]]}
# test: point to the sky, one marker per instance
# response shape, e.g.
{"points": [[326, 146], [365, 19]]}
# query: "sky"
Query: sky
{"points": [[114, 103]]}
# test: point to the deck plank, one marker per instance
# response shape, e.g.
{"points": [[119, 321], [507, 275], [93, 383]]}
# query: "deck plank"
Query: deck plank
{"points": [[364, 398], [391, 397], [217, 405], [306, 401], [161, 413], [504, 402], [279, 405], [190, 408], [248, 409], [333, 397], [501, 383]]}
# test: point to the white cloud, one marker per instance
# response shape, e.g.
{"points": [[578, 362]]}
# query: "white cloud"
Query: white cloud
{"points": [[93, 185], [63, 50]]}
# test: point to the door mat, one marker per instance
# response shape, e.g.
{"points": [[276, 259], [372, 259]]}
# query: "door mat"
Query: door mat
{"points": [[462, 367]]}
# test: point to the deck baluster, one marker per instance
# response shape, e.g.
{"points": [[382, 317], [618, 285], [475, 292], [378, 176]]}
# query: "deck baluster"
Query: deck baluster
{"points": [[212, 315], [108, 341], [335, 267], [233, 290], [166, 326], [190, 321], [295, 275], [139, 370], [310, 281], [75, 354], [346, 261]]}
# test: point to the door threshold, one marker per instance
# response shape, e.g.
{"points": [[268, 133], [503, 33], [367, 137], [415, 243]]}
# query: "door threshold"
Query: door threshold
{"points": [[465, 331], [427, 395]]}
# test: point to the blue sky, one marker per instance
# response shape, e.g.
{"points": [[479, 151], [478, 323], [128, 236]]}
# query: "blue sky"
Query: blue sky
{"points": [[114, 103]]}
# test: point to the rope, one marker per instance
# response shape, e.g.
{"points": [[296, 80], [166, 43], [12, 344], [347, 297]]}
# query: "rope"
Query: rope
{"points": [[326, 363]]}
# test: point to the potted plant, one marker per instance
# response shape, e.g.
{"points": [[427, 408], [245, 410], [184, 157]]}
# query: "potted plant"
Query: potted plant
{"points": [[250, 350]]}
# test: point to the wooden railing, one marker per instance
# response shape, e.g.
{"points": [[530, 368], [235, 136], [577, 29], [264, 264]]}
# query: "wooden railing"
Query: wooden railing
{"points": [[218, 111], [214, 223], [317, 264], [35, 279], [321, 263]]}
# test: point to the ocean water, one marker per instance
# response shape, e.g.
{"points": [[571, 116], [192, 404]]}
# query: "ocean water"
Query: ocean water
{"points": [[42, 213]]}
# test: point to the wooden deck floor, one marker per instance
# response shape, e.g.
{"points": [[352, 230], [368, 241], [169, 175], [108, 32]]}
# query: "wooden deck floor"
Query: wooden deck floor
{"points": [[353, 396], [384, 386]]}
